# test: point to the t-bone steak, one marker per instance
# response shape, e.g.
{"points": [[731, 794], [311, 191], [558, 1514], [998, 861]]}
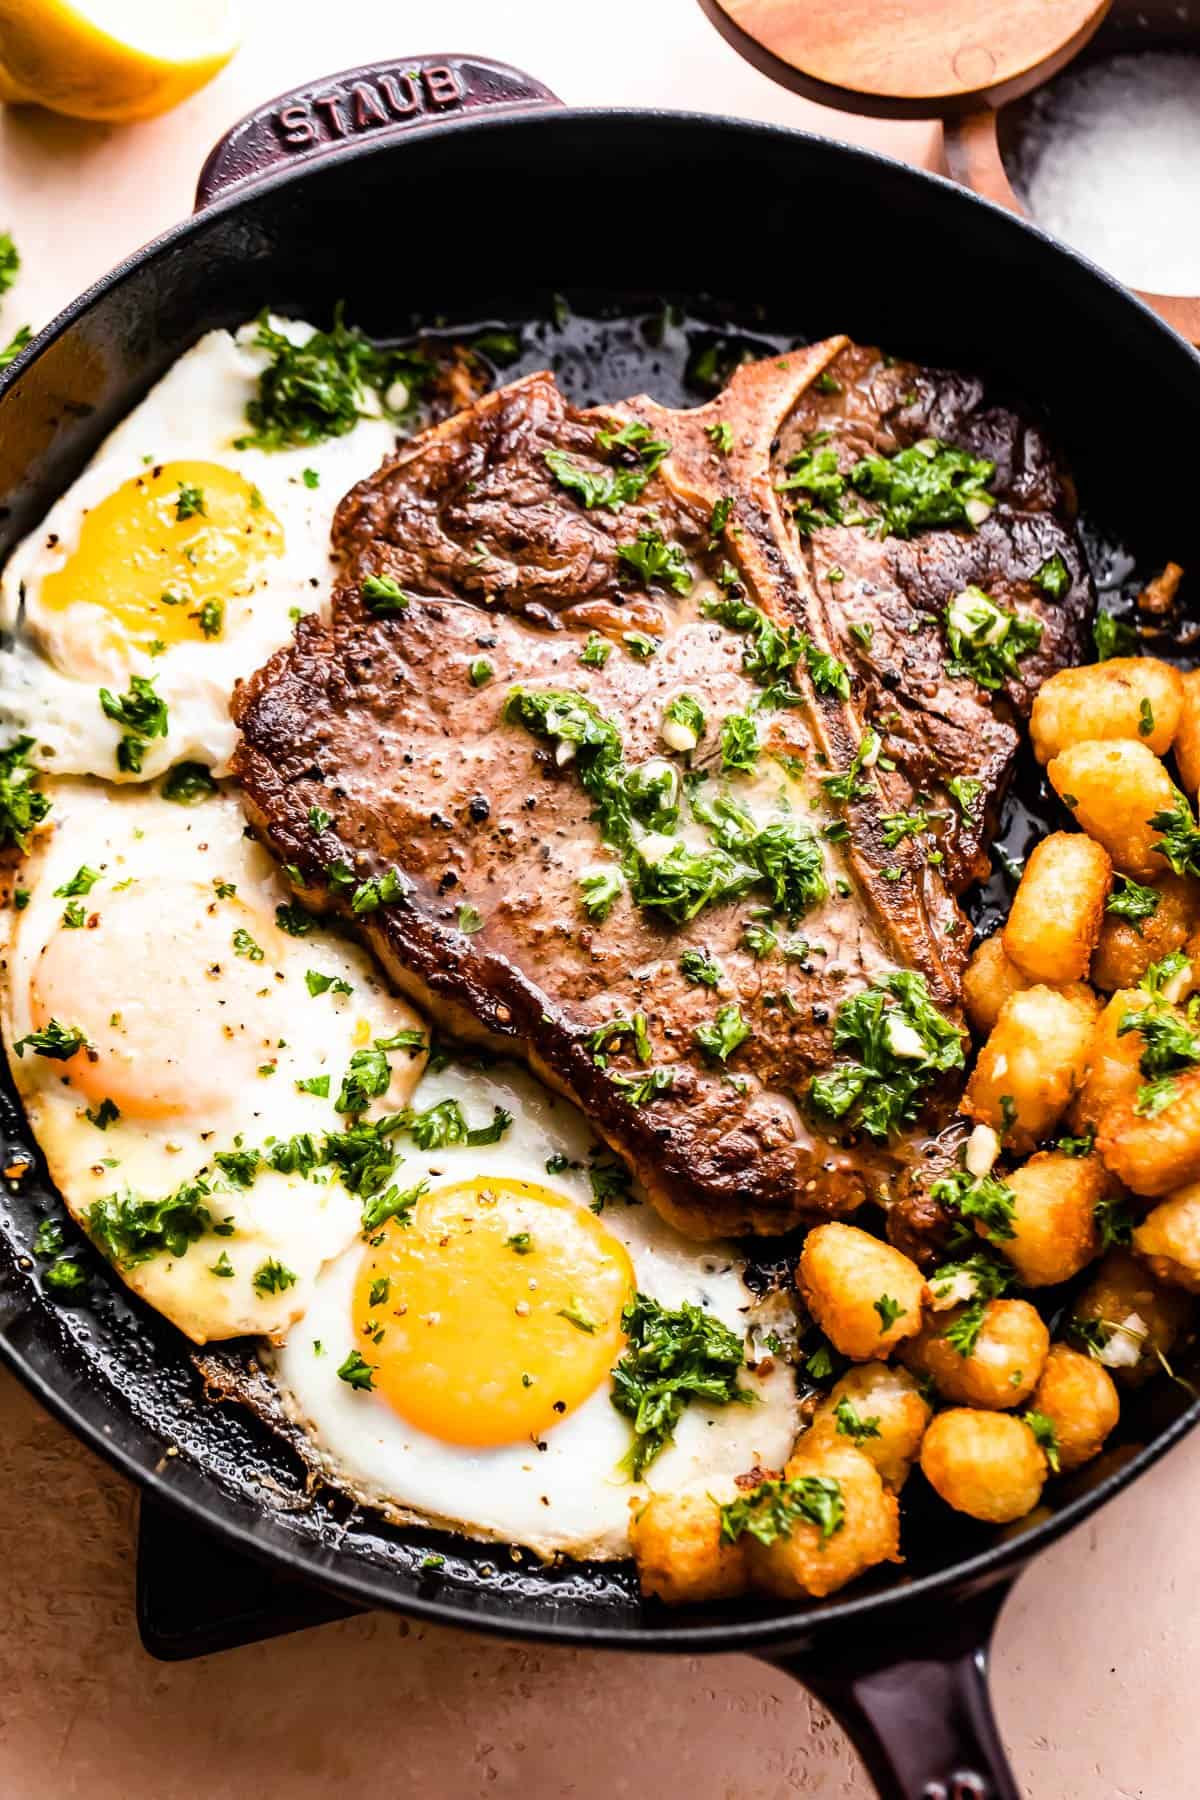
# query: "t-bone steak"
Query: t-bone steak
{"points": [[853, 573]]}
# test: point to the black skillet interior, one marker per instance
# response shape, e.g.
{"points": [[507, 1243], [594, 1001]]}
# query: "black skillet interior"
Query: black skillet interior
{"points": [[795, 237]]}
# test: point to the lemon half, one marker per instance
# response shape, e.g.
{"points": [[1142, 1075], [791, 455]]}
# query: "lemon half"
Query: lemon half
{"points": [[112, 60]]}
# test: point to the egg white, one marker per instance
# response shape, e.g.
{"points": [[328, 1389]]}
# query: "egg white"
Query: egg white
{"points": [[565, 1494], [51, 673], [230, 1035]]}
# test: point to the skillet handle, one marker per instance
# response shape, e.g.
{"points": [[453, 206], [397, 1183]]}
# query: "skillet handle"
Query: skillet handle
{"points": [[916, 1705], [383, 99]]}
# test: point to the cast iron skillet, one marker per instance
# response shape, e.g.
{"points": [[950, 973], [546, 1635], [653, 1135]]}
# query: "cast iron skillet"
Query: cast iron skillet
{"points": [[452, 187]]}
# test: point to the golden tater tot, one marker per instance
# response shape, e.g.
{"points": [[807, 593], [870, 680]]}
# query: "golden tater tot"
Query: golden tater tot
{"points": [[677, 1544], [1054, 1216], [1139, 1317], [1058, 909], [987, 1464], [1113, 1075], [1134, 697], [1114, 790], [882, 1412], [1001, 1366], [865, 1295], [1077, 1395], [1187, 737], [1033, 1062], [990, 978], [1126, 948], [1155, 1154], [1168, 1239], [804, 1561]]}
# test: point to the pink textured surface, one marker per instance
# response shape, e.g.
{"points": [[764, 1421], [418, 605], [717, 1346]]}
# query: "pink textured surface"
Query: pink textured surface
{"points": [[1099, 1647]]}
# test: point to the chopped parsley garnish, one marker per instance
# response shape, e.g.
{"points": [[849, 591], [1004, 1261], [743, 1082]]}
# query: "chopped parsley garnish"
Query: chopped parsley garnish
{"points": [[1145, 719], [986, 642], [391, 1204], [672, 1357], [294, 920], [130, 1228], [356, 1372], [901, 1044], [319, 820], [1112, 637], [739, 743], [982, 1197], [244, 945], [609, 1181], [469, 919], [56, 1042], [22, 806], [829, 676], [273, 1278], [929, 484], [1180, 842], [10, 261], [639, 1090], [480, 671], [74, 914], [701, 968], [979, 1276], [685, 710], [1044, 1431], [720, 435], [443, 1124], [21, 336], [1132, 901], [315, 1084], [1169, 1044], [851, 1424], [577, 1315], [598, 891], [782, 857], [1114, 1221], [319, 389], [1054, 578], [769, 653], [378, 891], [640, 645], [189, 502], [595, 652], [187, 783], [104, 1115], [962, 1333], [889, 1311], [142, 714], [759, 940], [520, 1243], [848, 785], [238, 1166], [605, 1036], [770, 1511], [1077, 1146], [654, 561], [611, 487], [210, 617], [82, 882], [222, 1267], [382, 596], [901, 825], [965, 792], [722, 1037], [318, 983]]}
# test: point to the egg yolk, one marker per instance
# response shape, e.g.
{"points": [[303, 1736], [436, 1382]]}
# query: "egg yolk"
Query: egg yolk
{"points": [[164, 555], [495, 1313], [178, 1010]]}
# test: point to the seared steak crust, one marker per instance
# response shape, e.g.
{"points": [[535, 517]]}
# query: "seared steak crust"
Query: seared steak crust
{"points": [[376, 722]]}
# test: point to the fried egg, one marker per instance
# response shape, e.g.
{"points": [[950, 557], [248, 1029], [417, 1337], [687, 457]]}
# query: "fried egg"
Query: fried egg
{"points": [[167, 1014], [458, 1367], [175, 559]]}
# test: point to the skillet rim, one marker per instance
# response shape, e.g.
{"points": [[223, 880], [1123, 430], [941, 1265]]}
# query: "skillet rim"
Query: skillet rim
{"points": [[301, 1558]]}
